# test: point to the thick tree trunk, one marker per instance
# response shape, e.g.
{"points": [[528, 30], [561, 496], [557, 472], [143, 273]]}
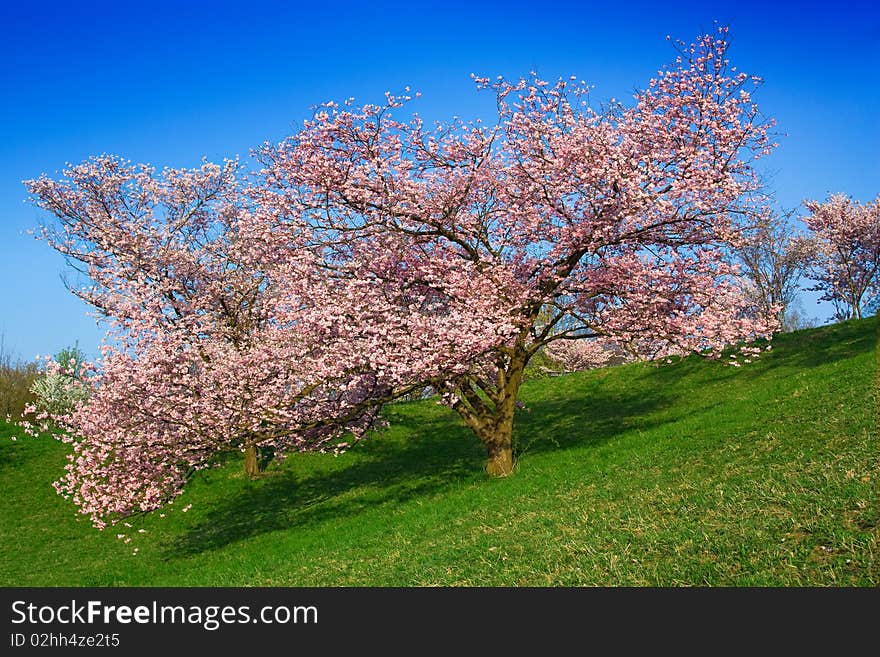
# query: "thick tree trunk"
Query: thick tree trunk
{"points": [[500, 461], [488, 409], [251, 461], [499, 441]]}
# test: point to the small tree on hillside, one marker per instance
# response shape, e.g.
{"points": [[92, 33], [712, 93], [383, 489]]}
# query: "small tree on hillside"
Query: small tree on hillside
{"points": [[62, 386], [774, 258], [16, 379], [846, 250]]}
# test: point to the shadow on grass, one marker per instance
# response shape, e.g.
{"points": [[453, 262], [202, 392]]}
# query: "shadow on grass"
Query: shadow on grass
{"points": [[20, 453], [829, 344], [795, 351], [383, 472], [7, 458], [587, 419], [816, 347], [11, 453], [388, 470]]}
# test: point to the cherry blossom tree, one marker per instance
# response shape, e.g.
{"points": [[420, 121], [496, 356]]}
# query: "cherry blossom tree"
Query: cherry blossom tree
{"points": [[216, 342], [577, 355], [371, 257], [846, 248], [616, 221]]}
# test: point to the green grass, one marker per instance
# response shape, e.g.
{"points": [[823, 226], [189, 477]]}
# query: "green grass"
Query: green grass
{"points": [[687, 474]]}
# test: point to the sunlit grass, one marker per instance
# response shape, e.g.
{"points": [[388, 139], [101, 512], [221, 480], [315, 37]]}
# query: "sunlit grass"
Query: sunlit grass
{"points": [[688, 474]]}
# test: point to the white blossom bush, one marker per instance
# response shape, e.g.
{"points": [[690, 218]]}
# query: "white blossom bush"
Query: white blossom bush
{"points": [[58, 393], [60, 388]]}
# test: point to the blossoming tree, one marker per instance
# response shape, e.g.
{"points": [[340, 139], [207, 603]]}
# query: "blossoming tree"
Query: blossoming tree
{"points": [[371, 257], [604, 225], [846, 245], [217, 342]]}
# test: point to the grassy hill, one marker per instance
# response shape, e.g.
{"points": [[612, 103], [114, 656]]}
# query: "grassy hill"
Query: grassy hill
{"points": [[687, 474]]}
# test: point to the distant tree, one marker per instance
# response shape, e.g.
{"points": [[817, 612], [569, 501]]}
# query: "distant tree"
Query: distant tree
{"points": [[576, 355], [62, 386], [845, 243], [797, 317], [16, 378], [774, 258]]}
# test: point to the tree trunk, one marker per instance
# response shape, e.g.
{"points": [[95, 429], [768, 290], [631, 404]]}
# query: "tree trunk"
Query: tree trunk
{"points": [[491, 417], [499, 443], [500, 461], [251, 461]]}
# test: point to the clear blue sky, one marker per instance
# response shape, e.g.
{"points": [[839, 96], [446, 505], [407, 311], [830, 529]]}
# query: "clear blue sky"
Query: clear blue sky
{"points": [[171, 83]]}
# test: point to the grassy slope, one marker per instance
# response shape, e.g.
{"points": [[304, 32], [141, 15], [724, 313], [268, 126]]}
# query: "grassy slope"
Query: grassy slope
{"points": [[693, 473]]}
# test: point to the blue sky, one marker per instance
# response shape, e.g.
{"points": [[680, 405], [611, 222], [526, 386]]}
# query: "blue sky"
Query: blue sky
{"points": [[169, 83]]}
